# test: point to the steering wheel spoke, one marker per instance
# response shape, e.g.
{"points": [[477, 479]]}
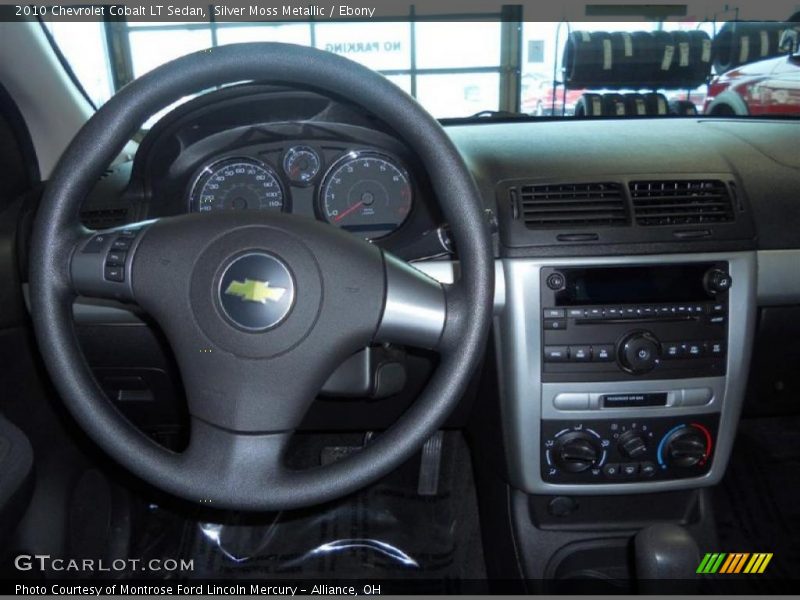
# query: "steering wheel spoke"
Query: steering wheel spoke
{"points": [[415, 308], [102, 262], [245, 461]]}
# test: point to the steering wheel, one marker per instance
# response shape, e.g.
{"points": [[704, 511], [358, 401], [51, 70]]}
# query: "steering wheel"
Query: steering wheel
{"points": [[259, 308]]}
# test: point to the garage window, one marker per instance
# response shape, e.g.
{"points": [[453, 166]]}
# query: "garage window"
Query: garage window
{"points": [[422, 56]]}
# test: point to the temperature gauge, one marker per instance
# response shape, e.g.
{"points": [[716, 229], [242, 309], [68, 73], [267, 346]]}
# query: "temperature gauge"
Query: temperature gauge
{"points": [[301, 164]]}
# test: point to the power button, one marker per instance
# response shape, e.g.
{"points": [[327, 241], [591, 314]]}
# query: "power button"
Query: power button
{"points": [[556, 281]]}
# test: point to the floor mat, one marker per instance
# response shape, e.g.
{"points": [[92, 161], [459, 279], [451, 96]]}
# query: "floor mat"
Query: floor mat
{"points": [[757, 505], [386, 531]]}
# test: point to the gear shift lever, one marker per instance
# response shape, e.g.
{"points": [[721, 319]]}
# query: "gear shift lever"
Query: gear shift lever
{"points": [[665, 552]]}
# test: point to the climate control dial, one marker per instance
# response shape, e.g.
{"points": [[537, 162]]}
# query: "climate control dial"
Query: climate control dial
{"points": [[576, 452], [685, 446], [632, 444]]}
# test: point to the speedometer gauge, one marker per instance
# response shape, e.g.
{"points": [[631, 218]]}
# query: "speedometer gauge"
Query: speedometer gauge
{"points": [[237, 184], [366, 193]]}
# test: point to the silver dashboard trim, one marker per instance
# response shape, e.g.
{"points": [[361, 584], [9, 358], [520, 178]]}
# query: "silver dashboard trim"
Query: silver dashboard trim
{"points": [[777, 285], [519, 349]]}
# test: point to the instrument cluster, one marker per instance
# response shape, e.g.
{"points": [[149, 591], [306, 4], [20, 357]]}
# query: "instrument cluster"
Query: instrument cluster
{"points": [[366, 191]]}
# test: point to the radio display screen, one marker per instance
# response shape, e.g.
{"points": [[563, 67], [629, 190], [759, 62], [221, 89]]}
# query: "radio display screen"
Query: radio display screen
{"points": [[633, 285]]}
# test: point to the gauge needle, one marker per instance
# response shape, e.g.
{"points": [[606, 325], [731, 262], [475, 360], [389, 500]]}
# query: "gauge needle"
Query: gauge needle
{"points": [[341, 216]]}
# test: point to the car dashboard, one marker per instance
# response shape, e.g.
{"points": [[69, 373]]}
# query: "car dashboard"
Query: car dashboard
{"points": [[632, 257]]}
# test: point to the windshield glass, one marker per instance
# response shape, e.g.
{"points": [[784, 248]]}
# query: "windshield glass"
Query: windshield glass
{"points": [[491, 62]]}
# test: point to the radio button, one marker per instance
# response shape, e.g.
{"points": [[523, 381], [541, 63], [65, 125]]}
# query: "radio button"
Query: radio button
{"points": [[556, 281], [555, 324], [603, 353], [717, 319], [580, 353], [571, 401], [716, 348], [595, 313], [613, 312], [556, 354], [717, 308], [695, 349], [639, 353], [576, 313], [553, 313], [629, 312]]}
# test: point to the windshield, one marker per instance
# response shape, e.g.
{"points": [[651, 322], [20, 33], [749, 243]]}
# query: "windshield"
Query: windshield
{"points": [[488, 63]]}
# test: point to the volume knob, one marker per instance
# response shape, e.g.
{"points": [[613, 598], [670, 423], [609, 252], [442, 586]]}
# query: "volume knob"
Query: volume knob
{"points": [[638, 352]]}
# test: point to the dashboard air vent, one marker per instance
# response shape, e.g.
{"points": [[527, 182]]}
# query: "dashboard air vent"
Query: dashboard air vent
{"points": [[683, 202], [572, 205], [103, 218]]}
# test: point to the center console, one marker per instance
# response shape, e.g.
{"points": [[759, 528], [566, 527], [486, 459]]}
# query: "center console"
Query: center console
{"points": [[624, 374]]}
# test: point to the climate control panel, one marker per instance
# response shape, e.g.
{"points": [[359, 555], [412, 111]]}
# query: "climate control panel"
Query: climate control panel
{"points": [[627, 450]]}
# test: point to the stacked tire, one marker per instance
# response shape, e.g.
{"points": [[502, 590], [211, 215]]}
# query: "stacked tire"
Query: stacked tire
{"points": [[741, 42], [622, 105], [637, 60]]}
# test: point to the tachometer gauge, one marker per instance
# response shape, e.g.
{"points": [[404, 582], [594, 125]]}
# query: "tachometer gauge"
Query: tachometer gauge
{"points": [[301, 164], [237, 184], [366, 193]]}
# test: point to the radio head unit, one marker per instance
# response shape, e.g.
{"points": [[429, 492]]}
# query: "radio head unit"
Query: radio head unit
{"points": [[616, 323]]}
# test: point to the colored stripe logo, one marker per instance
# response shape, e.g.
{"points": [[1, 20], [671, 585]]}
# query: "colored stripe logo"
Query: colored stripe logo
{"points": [[734, 563]]}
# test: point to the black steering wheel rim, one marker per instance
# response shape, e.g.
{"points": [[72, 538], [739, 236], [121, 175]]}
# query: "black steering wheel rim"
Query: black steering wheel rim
{"points": [[57, 230]]}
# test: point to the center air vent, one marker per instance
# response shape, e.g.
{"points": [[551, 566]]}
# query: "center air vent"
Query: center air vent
{"points": [[572, 205], [683, 202]]}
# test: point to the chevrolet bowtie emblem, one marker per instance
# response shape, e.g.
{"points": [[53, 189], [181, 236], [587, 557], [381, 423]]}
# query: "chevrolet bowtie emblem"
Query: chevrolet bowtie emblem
{"points": [[251, 290]]}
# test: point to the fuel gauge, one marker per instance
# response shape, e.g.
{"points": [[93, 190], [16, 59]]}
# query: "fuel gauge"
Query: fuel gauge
{"points": [[301, 164]]}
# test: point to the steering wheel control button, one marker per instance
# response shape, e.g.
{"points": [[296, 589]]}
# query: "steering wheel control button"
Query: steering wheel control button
{"points": [[256, 291], [115, 274], [115, 258], [96, 244], [122, 243]]}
